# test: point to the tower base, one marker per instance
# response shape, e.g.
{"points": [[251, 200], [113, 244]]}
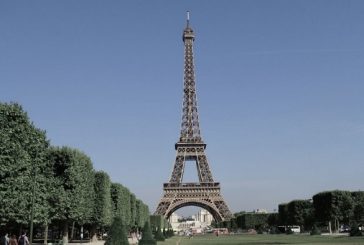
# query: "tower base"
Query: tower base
{"points": [[204, 195]]}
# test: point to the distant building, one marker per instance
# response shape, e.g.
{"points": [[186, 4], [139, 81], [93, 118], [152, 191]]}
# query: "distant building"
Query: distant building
{"points": [[173, 220], [260, 211], [204, 216], [196, 222]]}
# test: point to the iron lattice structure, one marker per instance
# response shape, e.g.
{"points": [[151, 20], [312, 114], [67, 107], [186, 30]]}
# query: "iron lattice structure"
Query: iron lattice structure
{"points": [[205, 193]]}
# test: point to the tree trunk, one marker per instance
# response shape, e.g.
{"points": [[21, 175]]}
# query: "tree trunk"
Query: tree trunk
{"points": [[65, 233], [72, 230], [330, 227], [45, 233]]}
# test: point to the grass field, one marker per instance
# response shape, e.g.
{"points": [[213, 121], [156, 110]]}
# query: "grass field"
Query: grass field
{"points": [[263, 239]]}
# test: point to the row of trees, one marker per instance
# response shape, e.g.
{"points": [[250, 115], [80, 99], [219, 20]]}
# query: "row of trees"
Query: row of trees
{"points": [[161, 228], [159, 222], [329, 208], [326, 209], [55, 186]]}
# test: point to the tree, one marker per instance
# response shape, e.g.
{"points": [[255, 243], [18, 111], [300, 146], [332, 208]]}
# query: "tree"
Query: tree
{"points": [[333, 207], [117, 234], [158, 221], [120, 197], [358, 210], [147, 237], [252, 220], [273, 219], [133, 211], [300, 213], [142, 213], [159, 235], [170, 232], [233, 224], [23, 168], [283, 213], [126, 205], [102, 205], [74, 181]]}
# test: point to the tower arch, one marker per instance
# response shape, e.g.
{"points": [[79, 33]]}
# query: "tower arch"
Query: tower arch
{"points": [[197, 203]]}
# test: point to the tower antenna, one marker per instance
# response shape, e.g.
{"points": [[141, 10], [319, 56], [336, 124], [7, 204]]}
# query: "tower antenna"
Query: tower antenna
{"points": [[188, 18]]}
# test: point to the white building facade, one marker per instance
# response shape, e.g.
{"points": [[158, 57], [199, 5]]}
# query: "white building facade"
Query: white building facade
{"points": [[197, 222]]}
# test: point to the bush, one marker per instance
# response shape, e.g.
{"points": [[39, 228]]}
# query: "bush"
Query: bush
{"points": [[274, 230], [315, 231], [117, 234], [289, 231], [147, 238], [170, 233], [159, 235], [260, 230], [354, 231]]}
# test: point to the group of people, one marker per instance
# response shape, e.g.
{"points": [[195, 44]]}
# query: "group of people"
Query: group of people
{"points": [[22, 240]]}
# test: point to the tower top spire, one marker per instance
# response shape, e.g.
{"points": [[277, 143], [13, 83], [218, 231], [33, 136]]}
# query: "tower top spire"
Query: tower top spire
{"points": [[188, 18], [188, 32]]}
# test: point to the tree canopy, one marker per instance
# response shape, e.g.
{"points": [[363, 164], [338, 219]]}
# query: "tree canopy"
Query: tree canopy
{"points": [[22, 161], [102, 207]]}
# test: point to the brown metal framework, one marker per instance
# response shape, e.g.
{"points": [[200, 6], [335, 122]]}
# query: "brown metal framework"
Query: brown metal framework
{"points": [[205, 193]]}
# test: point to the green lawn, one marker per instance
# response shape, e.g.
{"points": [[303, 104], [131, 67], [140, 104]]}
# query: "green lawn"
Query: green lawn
{"points": [[263, 239]]}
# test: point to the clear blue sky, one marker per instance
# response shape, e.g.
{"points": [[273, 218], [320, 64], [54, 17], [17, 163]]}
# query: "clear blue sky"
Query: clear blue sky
{"points": [[280, 89]]}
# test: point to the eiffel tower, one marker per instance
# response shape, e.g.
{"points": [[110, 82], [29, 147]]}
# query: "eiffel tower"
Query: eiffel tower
{"points": [[190, 147]]}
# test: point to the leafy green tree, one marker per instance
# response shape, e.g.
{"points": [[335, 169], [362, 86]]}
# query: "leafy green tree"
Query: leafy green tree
{"points": [[233, 224], [252, 220], [126, 206], [23, 165], [147, 237], [283, 213], [358, 211], [146, 213], [102, 205], [273, 219], [214, 223], [159, 235], [158, 221], [120, 197], [170, 232], [355, 231], [142, 213], [74, 181], [133, 210], [300, 213], [117, 234], [333, 207]]}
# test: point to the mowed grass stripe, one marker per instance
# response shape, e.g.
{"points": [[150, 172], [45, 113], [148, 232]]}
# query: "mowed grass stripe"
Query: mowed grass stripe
{"points": [[263, 239]]}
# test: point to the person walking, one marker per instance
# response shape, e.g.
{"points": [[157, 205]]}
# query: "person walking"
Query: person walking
{"points": [[23, 239], [13, 240], [4, 239]]}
